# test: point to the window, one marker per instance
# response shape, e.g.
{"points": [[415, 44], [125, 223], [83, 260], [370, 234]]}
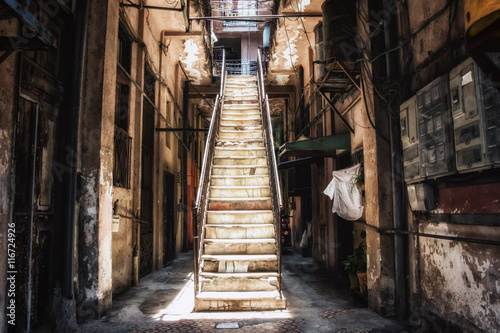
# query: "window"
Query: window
{"points": [[123, 142], [124, 50]]}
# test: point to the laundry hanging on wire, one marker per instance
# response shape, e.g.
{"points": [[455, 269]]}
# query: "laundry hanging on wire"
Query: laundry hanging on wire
{"points": [[346, 194]]}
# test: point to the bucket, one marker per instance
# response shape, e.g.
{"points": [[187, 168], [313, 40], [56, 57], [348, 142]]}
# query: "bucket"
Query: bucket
{"points": [[479, 15], [339, 29]]}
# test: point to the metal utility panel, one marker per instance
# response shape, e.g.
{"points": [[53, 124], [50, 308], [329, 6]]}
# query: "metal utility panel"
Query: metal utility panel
{"points": [[421, 197], [476, 117], [409, 138], [435, 132]]}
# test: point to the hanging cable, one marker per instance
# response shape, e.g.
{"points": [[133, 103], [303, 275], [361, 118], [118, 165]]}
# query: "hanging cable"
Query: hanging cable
{"points": [[192, 85]]}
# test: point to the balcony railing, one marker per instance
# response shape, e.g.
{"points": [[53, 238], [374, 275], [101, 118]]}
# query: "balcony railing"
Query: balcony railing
{"points": [[236, 67]]}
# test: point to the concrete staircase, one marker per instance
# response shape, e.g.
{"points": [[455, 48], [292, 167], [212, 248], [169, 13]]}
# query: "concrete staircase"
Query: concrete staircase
{"points": [[239, 262]]}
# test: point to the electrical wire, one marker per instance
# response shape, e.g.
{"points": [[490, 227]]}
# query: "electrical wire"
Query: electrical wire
{"points": [[192, 85]]}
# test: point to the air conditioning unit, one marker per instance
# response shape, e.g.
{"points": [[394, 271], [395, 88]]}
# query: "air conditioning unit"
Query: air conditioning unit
{"points": [[435, 133], [409, 138], [476, 117]]}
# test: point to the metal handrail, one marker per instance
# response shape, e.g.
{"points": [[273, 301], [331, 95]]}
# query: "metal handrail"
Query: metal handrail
{"points": [[271, 161], [201, 205]]}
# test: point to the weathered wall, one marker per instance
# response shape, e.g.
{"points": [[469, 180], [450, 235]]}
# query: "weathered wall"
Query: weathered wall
{"points": [[453, 283], [8, 94], [460, 280], [378, 192], [96, 146]]}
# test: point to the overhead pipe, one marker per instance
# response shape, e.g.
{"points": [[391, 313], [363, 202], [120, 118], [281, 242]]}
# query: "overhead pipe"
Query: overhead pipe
{"points": [[255, 17]]}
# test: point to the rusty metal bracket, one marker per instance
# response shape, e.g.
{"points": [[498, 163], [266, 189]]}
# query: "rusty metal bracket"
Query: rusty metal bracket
{"points": [[5, 55], [341, 64], [336, 111], [28, 18]]}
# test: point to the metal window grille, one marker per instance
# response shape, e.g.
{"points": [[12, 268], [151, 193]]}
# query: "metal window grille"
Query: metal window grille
{"points": [[122, 152]]}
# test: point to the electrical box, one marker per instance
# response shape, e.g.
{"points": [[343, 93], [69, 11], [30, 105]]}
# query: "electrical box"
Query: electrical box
{"points": [[476, 117], [435, 134], [421, 197], [409, 138]]}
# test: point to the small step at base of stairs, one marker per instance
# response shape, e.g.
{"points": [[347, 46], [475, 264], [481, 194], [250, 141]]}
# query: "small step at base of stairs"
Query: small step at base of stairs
{"points": [[240, 301]]}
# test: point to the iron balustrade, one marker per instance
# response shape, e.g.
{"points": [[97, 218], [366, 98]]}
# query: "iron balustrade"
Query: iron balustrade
{"points": [[201, 205], [271, 161], [236, 67]]}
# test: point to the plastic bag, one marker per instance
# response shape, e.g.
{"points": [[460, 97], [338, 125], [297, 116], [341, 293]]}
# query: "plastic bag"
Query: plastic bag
{"points": [[346, 195], [304, 242]]}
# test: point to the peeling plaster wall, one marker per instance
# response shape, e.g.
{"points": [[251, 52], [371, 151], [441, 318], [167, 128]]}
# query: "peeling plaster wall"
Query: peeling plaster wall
{"points": [[461, 281]]}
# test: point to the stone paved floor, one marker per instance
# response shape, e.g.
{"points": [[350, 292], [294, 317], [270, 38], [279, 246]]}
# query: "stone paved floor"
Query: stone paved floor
{"points": [[163, 302]]}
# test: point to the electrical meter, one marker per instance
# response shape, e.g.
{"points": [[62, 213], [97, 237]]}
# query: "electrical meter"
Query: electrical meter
{"points": [[435, 134], [476, 117], [409, 138]]}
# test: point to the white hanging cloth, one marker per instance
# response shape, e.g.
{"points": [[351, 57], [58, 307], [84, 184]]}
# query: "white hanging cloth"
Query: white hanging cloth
{"points": [[346, 195]]}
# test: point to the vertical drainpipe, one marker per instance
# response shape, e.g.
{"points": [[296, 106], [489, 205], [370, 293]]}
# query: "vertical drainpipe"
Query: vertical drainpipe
{"points": [[185, 109], [398, 202], [300, 86], [72, 130]]}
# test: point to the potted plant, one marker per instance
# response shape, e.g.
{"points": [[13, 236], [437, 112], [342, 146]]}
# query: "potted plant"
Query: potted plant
{"points": [[355, 265]]}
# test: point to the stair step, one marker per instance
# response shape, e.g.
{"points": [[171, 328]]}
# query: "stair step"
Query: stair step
{"points": [[239, 192], [239, 125], [256, 121], [236, 282], [240, 170], [240, 301], [241, 84], [240, 152], [239, 180], [240, 160], [240, 116], [239, 246], [254, 203], [237, 231], [239, 257], [243, 106], [249, 275], [240, 241], [230, 96], [241, 217], [242, 263], [242, 90], [239, 113], [240, 134]]}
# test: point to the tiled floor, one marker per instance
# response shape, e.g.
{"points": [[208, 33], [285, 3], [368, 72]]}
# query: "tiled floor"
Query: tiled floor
{"points": [[164, 300]]}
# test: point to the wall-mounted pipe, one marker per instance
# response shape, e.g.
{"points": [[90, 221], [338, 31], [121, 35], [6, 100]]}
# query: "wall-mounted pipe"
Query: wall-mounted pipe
{"points": [[72, 130]]}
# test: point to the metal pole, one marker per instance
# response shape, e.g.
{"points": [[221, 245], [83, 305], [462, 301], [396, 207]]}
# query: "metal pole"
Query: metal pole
{"points": [[185, 111]]}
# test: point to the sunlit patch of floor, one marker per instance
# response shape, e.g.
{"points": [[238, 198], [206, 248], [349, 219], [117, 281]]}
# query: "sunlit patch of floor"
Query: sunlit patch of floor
{"points": [[182, 307]]}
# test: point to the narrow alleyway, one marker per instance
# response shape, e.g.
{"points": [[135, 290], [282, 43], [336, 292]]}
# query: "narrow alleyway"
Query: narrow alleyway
{"points": [[163, 302]]}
